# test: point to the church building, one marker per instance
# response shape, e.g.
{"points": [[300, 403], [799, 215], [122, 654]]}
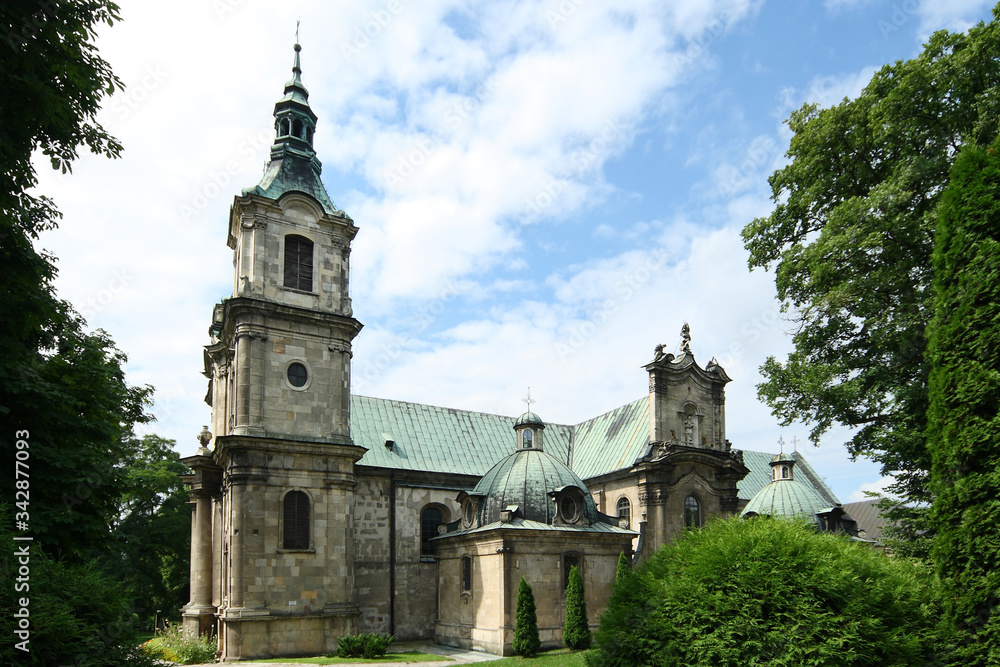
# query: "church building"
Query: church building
{"points": [[319, 513]]}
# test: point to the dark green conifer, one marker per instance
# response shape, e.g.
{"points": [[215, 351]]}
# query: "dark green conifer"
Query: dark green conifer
{"points": [[576, 629], [526, 641], [624, 567], [963, 420]]}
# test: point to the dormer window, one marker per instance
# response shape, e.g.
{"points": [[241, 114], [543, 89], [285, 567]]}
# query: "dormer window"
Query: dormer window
{"points": [[298, 263]]}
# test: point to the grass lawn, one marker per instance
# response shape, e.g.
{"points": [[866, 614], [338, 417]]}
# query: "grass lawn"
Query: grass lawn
{"points": [[558, 658], [403, 656], [562, 657]]}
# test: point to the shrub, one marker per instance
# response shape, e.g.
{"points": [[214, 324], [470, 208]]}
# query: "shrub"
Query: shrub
{"points": [[175, 644], [770, 591], [576, 629], [78, 614], [526, 642], [369, 645]]}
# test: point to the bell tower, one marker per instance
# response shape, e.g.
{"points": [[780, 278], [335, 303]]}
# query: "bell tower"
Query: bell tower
{"points": [[280, 465]]}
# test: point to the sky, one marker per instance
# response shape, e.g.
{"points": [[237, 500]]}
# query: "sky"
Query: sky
{"points": [[544, 191]]}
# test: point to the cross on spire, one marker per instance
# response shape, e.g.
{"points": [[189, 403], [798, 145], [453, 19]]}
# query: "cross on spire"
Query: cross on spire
{"points": [[528, 399]]}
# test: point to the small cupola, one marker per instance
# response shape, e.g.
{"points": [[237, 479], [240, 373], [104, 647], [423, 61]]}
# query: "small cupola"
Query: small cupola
{"points": [[528, 428], [294, 121], [782, 467]]}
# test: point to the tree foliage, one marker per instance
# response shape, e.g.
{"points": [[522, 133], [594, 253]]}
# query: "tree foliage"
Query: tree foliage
{"points": [[576, 627], [526, 642], [60, 385], [964, 416], [850, 240], [742, 593], [153, 529], [78, 615]]}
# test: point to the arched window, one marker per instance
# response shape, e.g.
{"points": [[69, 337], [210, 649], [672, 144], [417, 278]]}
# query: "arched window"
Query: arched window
{"points": [[570, 561], [624, 512], [466, 574], [430, 519], [283, 128], [298, 263], [692, 512], [784, 472], [309, 135], [296, 514], [297, 128]]}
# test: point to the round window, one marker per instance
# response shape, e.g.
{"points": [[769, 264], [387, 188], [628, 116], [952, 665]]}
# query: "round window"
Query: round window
{"points": [[297, 374], [569, 508], [469, 513]]}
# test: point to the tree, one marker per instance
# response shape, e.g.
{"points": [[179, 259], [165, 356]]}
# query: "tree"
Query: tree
{"points": [[624, 567], [62, 390], [78, 615], [526, 642], [576, 628], [964, 416], [742, 593], [850, 240], [153, 529]]}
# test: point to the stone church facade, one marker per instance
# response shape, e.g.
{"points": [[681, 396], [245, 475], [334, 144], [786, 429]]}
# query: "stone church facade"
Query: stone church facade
{"points": [[319, 513]]}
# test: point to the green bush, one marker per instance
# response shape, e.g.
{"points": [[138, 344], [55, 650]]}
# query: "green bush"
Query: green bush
{"points": [[369, 645], [78, 614], [526, 642], [769, 591], [576, 628], [175, 644]]}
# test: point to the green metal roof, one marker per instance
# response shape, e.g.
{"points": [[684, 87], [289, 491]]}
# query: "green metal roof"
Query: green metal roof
{"points": [[525, 479], [438, 439], [612, 441], [786, 497], [526, 524]]}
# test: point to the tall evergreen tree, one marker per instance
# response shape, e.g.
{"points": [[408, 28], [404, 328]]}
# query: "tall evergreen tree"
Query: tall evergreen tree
{"points": [[624, 567], [526, 642], [964, 414], [576, 628]]}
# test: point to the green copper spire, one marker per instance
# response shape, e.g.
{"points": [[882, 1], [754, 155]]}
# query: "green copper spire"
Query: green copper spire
{"points": [[293, 166]]}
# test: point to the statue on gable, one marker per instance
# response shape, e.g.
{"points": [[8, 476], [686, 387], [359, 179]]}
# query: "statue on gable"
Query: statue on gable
{"points": [[686, 339]]}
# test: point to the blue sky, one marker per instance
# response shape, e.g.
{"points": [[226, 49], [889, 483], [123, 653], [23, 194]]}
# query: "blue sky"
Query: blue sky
{"points": [[544, 191]]}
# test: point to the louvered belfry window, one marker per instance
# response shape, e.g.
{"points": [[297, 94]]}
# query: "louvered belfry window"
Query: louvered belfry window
{"points": [[298, 263], [296, 520]]}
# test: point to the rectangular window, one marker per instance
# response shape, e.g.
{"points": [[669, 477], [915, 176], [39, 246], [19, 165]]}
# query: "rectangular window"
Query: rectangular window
{"points": [[466, 574], [298, 263]]}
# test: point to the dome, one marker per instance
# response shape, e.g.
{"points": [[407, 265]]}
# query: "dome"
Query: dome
{"points": [[529, 419], [527, 478], [786, 497]]}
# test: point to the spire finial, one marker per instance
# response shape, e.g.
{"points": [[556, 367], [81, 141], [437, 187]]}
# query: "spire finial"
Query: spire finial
{"points": [[528, 399]]}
